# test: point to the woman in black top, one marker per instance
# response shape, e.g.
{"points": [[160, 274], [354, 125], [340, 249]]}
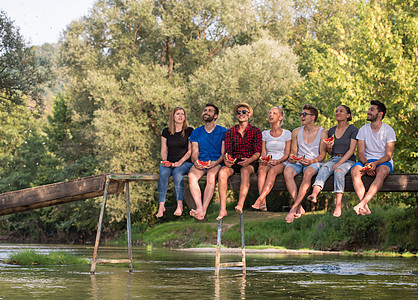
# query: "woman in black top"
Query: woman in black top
{"points": [[175, 155]]}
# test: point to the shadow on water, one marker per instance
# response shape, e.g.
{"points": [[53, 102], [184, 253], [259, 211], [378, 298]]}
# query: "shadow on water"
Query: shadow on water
{"points": [[164, 274]]}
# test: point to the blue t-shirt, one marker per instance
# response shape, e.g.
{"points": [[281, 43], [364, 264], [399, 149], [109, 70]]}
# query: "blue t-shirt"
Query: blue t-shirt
{"points": [[210, 144]]}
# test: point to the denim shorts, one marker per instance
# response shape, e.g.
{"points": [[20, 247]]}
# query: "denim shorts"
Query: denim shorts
{"points": [[373, 160], [301, 168]]}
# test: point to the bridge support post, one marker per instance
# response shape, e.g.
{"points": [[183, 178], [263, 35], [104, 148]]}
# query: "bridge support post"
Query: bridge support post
{"points": [[99, 230], [99, 227], [242, 263]]}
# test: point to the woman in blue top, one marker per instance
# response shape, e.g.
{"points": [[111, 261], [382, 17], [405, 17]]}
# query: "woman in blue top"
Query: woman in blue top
{"points": [[342, 158], [175, 155]]}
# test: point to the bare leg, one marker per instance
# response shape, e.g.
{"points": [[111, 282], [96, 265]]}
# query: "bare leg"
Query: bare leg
{"points": [[194, 176], [223, 176], [209, 189], [297, 209], [269, 183], [381, 173], [179, 209], [161, 209], [357, 182], [315, 192], [244, 187], [338, 201], [262, 174], [289, 177]]}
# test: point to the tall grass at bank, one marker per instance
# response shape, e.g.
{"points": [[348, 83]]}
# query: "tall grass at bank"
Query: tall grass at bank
{"points": [[388, 228], [31, 257]]}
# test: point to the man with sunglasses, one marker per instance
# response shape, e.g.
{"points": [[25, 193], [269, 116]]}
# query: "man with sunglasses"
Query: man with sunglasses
{"points": [[243, 143], [307, 143], [207, 145]]}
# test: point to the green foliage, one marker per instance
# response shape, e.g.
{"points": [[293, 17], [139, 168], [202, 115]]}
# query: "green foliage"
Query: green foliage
{"points": [[355, 60], [260, 74], [22, 72], [31, 257]]}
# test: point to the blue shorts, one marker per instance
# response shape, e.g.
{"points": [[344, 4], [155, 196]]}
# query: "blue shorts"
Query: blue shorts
{"points": [[301, 168], [373, 160]]}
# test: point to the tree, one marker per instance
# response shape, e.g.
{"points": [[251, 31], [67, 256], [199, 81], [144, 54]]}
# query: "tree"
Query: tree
{"points": [[260, 74], [21, 71], [375, 57]]}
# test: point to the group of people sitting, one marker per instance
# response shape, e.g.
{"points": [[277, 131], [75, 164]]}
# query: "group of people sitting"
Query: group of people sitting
{"points": [[219, 152]]}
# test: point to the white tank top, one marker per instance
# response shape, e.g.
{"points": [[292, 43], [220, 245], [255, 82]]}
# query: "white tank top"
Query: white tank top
{"points": [[309, 150]]}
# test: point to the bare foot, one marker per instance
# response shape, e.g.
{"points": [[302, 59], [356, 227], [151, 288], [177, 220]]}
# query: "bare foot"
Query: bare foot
{"points": [[365, 211], [263, 207], [238, 209], [258, 203], [300, 210], [161, 210], [179, 211], [197, 214], [358, 208], [337, 212], [222, 213], [290, 217], [312, 198]]}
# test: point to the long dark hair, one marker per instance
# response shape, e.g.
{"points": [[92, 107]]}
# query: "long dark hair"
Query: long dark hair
{"points": [[348, 110]]}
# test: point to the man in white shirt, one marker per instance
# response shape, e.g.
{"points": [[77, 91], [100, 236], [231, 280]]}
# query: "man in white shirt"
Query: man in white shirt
{"points": [[376, 143]]}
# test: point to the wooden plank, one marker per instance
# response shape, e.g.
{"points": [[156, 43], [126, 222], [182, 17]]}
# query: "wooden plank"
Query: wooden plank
{"points": [[56, 193], [113, 261], [393, 183]]}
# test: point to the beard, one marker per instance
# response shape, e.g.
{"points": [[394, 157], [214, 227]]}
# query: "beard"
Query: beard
{"points": [[208, 118], [371, 118]]}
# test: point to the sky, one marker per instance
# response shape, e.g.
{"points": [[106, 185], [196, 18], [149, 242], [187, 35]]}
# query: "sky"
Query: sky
{"points": [[42, 21]]}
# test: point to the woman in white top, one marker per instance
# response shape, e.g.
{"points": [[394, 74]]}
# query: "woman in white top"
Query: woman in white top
{"points": [[276, 142]]}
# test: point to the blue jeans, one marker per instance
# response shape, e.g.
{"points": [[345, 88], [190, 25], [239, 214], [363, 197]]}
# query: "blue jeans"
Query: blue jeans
{"points": [[339, 177], [298, 167], [177, 173]]}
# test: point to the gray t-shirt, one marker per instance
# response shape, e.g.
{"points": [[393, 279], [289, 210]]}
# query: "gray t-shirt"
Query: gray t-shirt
{"points": [[342, 145]]}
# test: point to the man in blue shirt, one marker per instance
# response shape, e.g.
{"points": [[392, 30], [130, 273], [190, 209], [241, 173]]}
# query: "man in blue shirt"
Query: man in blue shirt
{"points": [[207, 146]]}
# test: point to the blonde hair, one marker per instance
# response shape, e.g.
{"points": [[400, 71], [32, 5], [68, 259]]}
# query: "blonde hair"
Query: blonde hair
{"points": [[171, 123], [281, 111]]}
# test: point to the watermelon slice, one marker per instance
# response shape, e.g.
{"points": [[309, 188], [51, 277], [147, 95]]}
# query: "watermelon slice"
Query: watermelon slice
{"points": [[329, 140], [265, 159], [297, 158], [366, 168], [230, 158], [164, 162], [204, 163]]}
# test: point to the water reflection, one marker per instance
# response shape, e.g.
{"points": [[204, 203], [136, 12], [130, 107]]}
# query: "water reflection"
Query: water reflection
{"points": [[239, 279], [162, 274]]}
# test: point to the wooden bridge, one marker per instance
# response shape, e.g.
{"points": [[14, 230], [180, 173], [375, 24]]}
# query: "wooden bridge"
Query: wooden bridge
{"points": [[93, 186]]}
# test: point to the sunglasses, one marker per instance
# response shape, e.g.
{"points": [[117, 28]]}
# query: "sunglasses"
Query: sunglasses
{"points": [[244, 112], [304, 114]]}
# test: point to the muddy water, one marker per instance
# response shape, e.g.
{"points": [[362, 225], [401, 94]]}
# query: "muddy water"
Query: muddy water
{"points": [[165, 274]]}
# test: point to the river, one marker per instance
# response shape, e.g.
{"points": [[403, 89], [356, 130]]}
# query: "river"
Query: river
{"points": [[171, 274]]}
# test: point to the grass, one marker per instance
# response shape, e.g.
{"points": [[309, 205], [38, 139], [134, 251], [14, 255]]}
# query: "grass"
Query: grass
{"points": [[386, 230], [31, 257]]}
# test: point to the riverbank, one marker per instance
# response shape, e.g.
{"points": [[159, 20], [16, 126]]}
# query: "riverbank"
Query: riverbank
{"points": [[387, 229]]}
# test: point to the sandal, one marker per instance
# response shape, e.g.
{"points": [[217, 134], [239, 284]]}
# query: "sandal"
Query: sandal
{"points": [[263, 207]]}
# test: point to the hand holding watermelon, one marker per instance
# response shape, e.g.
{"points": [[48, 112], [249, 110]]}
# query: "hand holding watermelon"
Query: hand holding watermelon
{"points": [[167, 163], [330, 141], [296, 159], [204, 164]]}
